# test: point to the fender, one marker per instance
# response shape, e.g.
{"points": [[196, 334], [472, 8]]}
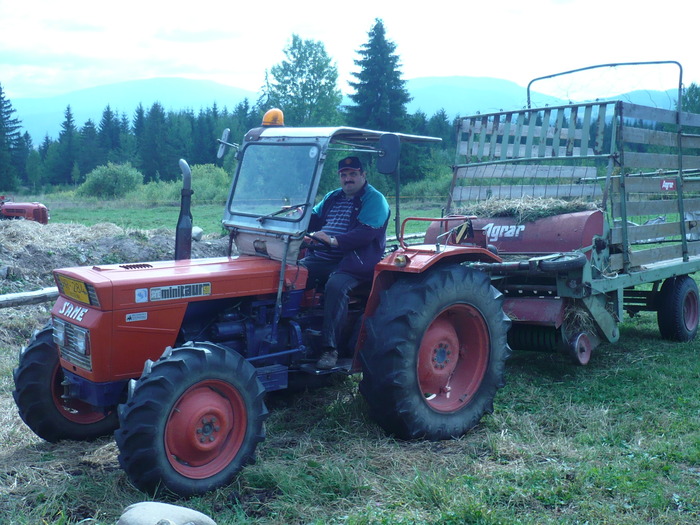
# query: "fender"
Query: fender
{"points": [[418, 259], [413, 260]]}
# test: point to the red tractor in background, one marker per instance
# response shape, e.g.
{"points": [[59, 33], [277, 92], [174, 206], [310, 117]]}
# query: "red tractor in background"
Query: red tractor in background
{"points": [[30, 211], [177, 356]]}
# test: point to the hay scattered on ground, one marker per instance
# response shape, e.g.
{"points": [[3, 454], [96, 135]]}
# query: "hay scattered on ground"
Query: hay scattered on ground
{"points": [[15, 235], [29, 251], [526, 209]]}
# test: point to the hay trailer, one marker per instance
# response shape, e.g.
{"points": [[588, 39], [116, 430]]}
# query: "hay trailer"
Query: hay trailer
{"points": [[623, 183]]}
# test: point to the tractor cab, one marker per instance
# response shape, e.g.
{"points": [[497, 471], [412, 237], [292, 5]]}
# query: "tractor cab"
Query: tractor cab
{"points": [[278, 174]]}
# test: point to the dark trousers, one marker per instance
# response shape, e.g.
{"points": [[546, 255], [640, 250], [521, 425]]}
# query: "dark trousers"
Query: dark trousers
{"points": [[335, 298]]}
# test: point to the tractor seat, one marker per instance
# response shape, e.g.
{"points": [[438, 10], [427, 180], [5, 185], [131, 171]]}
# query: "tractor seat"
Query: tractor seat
{"points": [[360, 293]]}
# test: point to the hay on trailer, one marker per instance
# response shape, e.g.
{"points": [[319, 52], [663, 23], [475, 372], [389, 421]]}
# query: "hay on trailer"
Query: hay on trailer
{"points": [[526, 209]]}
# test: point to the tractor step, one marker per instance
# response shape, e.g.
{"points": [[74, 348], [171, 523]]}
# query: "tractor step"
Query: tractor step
{"points": [[273, 377]]}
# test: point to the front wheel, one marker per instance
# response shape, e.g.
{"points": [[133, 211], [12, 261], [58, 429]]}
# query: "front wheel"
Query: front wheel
{"points": [[192, 421], [39, 397], [435, 353], [677, 309]]}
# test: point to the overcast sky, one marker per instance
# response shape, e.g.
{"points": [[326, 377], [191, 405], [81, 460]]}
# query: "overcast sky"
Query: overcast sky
{"points": [[50, 48]]}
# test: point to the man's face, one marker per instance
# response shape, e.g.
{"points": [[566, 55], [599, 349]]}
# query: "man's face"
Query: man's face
{"points": [[351, 181]]}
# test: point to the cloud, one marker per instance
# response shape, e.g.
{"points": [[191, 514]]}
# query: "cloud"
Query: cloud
{"points": [[85, 43], [190, 37]]}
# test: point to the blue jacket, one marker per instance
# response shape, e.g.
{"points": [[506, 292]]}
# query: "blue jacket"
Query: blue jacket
{"points": [[364, 242]]}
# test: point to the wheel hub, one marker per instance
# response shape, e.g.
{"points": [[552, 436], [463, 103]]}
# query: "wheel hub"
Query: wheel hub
{"points": [[443, 344], [441, 356], [208, 430]]}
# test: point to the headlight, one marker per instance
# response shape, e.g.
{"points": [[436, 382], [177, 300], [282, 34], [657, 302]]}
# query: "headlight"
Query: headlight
{"points": [[82, 341], [59, 332]]}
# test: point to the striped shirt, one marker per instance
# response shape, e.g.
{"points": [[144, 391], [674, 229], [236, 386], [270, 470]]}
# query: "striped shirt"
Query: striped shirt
{"points": [[338, 221]]}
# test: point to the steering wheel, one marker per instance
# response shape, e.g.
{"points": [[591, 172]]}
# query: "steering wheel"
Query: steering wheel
{"points": [[322, 245]]}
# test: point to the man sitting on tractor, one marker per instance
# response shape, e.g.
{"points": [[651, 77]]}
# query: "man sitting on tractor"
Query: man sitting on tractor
{"points": [[352, 221]]}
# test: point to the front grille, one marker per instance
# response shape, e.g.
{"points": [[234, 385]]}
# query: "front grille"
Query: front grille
{"points": [[69, 350], [92, 294]]}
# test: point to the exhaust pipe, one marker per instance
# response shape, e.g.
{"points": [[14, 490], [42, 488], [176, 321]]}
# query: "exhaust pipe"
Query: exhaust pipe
{"points": [[183, 232]]}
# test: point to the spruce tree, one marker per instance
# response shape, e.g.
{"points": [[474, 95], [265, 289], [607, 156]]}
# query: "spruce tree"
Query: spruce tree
{"points": [[380, 95], [158, 158], [9, 144], [90, 154], [139, 129], [109, 137], [63, 154]]}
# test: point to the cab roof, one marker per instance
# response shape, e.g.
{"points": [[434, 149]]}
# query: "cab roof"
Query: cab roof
{"points": [[339, 134]]}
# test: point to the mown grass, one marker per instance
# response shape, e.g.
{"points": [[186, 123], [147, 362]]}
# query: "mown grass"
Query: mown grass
{"points": [[616, 441]]}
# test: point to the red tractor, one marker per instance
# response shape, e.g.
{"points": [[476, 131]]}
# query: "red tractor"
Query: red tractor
{"points": [[216, 334], [30, 211]]}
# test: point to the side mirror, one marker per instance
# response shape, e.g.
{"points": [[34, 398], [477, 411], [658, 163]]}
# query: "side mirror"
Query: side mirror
{"points": [[223, 143], [389, 153]]}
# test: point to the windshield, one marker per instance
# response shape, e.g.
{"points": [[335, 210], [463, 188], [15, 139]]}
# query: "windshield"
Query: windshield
{"points": [[274, 180]]}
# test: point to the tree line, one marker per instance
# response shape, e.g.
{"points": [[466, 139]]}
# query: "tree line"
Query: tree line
{"points": [[304, 85]]}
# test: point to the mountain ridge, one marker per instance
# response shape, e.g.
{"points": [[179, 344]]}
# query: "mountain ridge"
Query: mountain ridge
{"points": [[456, 95]]}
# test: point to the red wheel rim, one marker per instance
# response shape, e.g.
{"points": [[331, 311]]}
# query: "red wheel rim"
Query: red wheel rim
{"points": [[690, 311], [73, 409], [205, 429], [453, 358], [582, 349]]}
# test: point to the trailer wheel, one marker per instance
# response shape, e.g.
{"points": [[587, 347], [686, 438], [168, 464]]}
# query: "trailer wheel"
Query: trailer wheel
{"points": [[580, 349], [677, 309], [192, 421], [435, 353], [38, 394]]}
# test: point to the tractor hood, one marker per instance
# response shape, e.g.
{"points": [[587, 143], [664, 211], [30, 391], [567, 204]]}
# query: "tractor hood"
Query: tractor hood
{"points": [[124, 286]]}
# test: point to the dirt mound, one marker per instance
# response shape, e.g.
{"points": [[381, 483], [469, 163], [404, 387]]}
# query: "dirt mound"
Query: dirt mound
{"points": [[30, 251]]}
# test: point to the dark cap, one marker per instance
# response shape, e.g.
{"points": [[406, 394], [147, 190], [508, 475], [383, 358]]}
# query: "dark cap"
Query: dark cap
{"points": [[350, 163]]}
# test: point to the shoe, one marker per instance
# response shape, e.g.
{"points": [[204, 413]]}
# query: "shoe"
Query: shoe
{"points": [[328, 360]]}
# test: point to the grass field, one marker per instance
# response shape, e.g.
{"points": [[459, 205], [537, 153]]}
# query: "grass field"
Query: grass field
{"points": [[206, 216], [616, 441]]}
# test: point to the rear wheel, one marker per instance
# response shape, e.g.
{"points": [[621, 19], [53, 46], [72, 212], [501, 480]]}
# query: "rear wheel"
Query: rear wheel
{"points": [[192, 421], [677, 309], [38, 395], [435, 353]]}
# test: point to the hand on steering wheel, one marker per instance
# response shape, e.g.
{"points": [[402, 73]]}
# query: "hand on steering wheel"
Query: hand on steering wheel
{"points": [[320, 244], [314, 237]]}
